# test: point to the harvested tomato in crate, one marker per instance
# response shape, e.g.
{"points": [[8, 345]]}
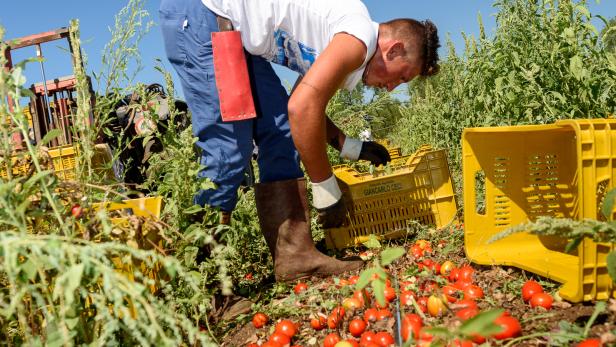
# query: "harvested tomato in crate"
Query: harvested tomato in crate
{"points": [[414, 188]]}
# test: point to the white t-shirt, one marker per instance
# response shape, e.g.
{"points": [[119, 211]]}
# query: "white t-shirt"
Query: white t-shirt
{"points": [[293, 33]]}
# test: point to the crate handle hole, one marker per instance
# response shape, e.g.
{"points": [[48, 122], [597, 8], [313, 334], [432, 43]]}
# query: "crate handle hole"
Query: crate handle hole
{"points": [[480, 192]]}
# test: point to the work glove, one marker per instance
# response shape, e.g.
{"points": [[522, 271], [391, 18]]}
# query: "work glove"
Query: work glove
{"points": [[371, 151], [327, 199]]}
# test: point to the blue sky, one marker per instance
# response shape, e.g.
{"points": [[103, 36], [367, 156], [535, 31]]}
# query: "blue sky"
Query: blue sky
{"points": [[25, 17]]}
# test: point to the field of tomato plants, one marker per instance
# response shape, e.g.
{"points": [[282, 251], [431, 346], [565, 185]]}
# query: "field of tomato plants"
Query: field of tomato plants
{"points": [[70, 274]]}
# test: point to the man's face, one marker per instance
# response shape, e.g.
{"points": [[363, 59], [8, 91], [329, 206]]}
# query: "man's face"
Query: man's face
{"points": [[390, 70]]}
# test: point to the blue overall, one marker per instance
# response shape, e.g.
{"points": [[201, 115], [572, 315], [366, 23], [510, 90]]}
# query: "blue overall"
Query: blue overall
{"points": [[227, 147]]}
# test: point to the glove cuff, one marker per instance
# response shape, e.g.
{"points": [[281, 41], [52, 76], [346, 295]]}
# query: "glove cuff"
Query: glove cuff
{"points": [[351, 148], [326, 193]]}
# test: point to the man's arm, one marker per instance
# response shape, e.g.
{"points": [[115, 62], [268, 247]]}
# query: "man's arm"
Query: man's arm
{"points": [[307, 104], [334, 136]]}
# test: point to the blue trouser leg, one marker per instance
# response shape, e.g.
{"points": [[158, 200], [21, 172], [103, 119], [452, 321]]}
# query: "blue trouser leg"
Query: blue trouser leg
{"points": [[226, 146]]}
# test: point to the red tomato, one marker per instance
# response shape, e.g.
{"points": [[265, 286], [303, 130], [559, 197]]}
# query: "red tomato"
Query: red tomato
{"points": [[529, 289], [423, 244], [451, 293], [353, 280], [367, 337], [423, 304], [280, 339], [259, 320], [590, 343], [478, 339], [286, 327], [461, 343], [76, 211], [473, 292], [371, 315], [271, 344], [357, 327], [318, 323], [390, 294], [335, 317], [467, 313], [511, 327], [459, 284], [411, 325], [466, 303], [384, 339], [416, 251], [541, 299], [406, 298], [466, 273], [300, 287], [362, 296], [331, 340], [454, 274], [383, 314]]}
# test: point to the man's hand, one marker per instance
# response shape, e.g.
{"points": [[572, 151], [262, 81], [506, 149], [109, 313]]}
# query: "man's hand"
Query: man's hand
{"points": [[355, 149], [334, 216], [327, 199], [375, 153]]}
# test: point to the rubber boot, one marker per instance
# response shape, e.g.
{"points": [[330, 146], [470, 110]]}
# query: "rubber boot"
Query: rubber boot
{"points": [[285, 223]]}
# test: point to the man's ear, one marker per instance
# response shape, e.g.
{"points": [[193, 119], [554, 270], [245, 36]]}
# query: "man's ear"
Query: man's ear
{"points": [[395, 50]]}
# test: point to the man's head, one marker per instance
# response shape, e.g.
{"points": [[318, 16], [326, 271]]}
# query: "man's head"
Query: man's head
{"points": [[406, 49]]}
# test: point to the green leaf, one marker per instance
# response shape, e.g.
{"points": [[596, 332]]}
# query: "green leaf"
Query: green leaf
{"points": [[29, 269], [573, 244], [194, 209], [482, 324], [389, 255], [372, 243], [378, 286], [364, 278], [52, 134], [437, 331], [67, 283], [608, 204], [576, 66], [611, 265]]}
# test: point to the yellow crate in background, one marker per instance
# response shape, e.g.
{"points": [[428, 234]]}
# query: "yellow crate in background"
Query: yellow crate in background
{"points": [[149, 208], [414, 188], [519, 173], [63, 159]]}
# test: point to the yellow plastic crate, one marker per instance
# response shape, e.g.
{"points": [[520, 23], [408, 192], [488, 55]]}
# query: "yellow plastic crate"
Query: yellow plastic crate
{"points": [[149, 207], [63, 161], [559, 170], [415, 188]]}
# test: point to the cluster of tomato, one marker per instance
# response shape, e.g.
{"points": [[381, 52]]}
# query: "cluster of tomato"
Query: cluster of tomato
{"points": [[357, 321]]}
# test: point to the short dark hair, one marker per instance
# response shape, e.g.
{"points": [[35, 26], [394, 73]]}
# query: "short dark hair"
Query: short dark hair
{"points": [[426, 35]]}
